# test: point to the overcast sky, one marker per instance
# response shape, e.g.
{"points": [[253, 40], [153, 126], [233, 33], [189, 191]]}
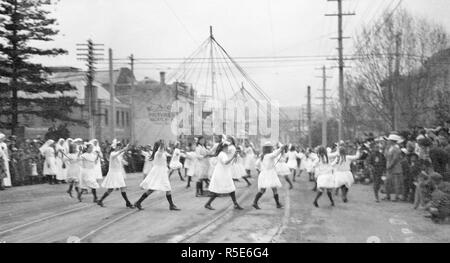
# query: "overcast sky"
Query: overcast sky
{"points": [[175, 28]]}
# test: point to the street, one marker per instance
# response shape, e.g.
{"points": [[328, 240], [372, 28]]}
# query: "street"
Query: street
{"points": [[46, 214]]}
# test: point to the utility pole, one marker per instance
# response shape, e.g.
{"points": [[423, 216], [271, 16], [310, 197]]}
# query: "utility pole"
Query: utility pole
{"points": [[341, 66], [112, 94], [88, 54], [309, 118], [398, 43], [132, 91], [211, 38], [324, 105]]}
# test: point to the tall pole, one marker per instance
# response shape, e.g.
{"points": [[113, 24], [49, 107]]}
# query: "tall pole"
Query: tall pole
{"points": [[341, 68], [341, 73], [211, 37], [309, 118], [398, 42], [324, 99], [132, 91], [112, 94], [88, 54]]}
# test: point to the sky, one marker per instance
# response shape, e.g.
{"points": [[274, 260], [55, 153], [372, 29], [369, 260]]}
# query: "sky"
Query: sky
{"points": [[245, 28]]}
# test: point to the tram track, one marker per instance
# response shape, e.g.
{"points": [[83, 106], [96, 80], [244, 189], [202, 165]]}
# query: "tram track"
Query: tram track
{"points": [[58, 214], [226, 215]]}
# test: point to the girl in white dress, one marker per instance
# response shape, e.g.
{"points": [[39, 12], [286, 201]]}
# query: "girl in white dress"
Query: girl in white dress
{"points": [[189, 161], [201, 165], [222, 179], [249, 159], [268, 178], [175, 164], [147, 152], [325, 177], [343, 175], [281, 166], [50, 167], [237, 164], [115, 179], [158, 178], [73, 168], [292, 157], [98, 165], [88, 178], [61, 172], [310, 160]]}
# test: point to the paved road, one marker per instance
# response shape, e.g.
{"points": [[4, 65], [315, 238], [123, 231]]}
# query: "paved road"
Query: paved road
{"points": [[45, 213]]}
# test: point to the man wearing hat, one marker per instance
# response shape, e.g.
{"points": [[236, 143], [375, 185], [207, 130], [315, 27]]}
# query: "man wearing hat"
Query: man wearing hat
{"points": [[377, 165], [5, 153], [393, 167]]}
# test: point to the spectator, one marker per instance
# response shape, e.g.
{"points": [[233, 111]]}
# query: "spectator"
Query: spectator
{"points": [[377, 165], [393, 168]]}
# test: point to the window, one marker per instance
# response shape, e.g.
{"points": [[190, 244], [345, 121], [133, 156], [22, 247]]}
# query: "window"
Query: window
{"points": [[128, 119], [117, 118], [123, 119], [106, 117]]}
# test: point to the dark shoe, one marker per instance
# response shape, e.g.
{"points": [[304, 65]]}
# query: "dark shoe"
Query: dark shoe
{"points": [[174, 208], [238, 207], [100, 203], [345, 200], [70, 193], [209, 207], [332, 203], [95, 200], [256, 206], [138, 206], [315, 204], [129, 205], [279, 205]]}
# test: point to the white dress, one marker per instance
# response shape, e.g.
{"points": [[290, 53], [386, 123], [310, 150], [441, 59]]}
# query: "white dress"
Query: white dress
{"points": [[268, 178], [98, 165], [281, 166], [61, 170], [189, 162], [147, 162], [116, 173], [201, 163], [158, 177], [50, 167], [73, 168], [292, 159], [88, 179], [7, 180], [239, 168], [342, 172], [310, 162], [222, 179], [175, 160], [250, 159], [212, 161], [324, 175]]}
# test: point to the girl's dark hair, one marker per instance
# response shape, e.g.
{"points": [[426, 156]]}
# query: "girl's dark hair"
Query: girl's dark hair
{"points": [[72, 148], [199, 139], [322, 153], [155, 149], [342, 155], [292, 148], [219, 149], [232, 141], [266, 150]]}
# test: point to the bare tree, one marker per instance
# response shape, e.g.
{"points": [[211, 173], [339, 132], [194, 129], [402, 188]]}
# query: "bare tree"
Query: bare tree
{"points": [[391, 66]]}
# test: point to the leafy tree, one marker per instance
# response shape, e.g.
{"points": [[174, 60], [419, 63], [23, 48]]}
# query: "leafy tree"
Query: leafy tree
{"points": [[24, 87]]}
